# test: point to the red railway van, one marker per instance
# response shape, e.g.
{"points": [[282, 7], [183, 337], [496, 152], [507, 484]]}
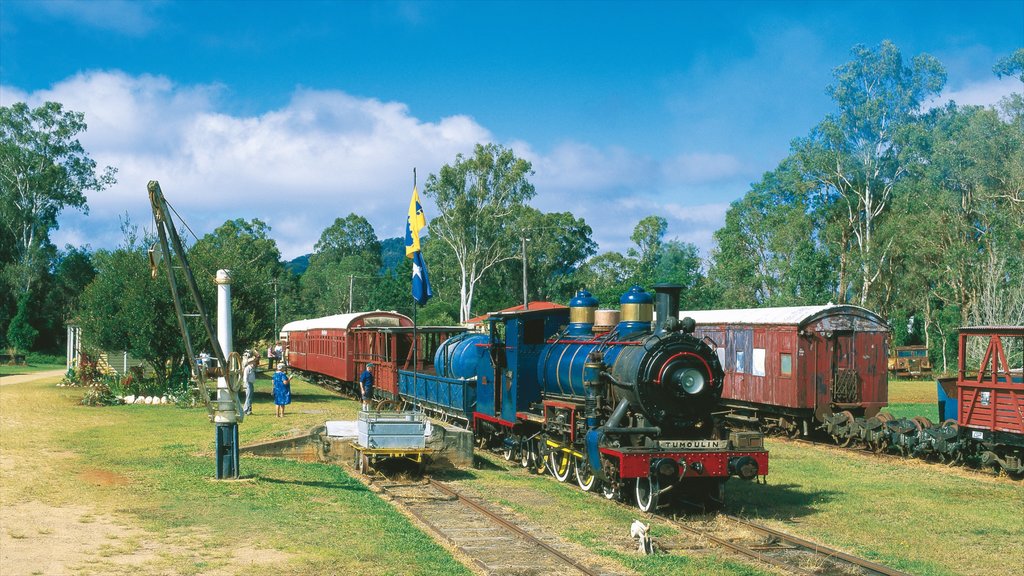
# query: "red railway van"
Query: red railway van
{"points": [[799, 363]]}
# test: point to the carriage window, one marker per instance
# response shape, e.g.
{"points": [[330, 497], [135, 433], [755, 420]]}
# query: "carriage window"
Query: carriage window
{"points": [[739, 361], [786, 364]]}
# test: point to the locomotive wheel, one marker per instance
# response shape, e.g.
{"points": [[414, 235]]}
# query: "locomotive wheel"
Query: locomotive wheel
{"points": [[610, 492], [508, 453], [537, 459], [525, 454], [647, 493], [584, 475], [560, 464]]}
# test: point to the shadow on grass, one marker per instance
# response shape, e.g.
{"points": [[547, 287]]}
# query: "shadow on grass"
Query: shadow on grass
{"points": [[452, 474], [775, 501], [354, 486]]}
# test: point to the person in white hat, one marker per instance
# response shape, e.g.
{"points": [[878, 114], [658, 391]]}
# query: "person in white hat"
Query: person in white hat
{"points": [[366, 386]]}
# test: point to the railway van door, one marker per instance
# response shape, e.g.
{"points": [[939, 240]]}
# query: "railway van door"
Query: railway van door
{"points": [[845, 380]]}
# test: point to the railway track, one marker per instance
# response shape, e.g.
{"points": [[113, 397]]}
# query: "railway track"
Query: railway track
{"points": [[495, 543], [762, 544], [788, 553]]}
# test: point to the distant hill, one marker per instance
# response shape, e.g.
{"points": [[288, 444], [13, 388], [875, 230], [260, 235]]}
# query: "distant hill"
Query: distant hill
{"points": [[392, 250], [298, 265]]}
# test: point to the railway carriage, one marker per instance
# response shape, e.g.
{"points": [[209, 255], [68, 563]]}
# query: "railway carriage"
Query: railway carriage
{"points": [[334, 350], [797, 368]]}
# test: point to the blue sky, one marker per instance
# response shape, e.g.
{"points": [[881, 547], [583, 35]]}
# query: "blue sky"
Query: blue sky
{"points": [[300, 112]]}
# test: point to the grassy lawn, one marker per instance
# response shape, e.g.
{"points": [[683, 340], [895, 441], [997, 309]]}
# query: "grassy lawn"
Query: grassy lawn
{"points": [[909, 398], [16, 369], [150, 468]]}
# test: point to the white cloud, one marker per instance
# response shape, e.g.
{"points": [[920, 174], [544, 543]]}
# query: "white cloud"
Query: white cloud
{"points": [[985, 93], [327, 153]]}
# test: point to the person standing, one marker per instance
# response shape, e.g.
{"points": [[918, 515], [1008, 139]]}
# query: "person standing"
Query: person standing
{"points": [[249, 376], [282, 390], [366, 386]]}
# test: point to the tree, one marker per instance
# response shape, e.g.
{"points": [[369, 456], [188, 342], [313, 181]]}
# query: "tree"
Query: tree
{"points": [[766, 254], [857, 156], [246, 249], [479, 200], [125, 308], [346, 260], [43, 170], [20, 334], [558, 245], [349, 236], [648, 235]]}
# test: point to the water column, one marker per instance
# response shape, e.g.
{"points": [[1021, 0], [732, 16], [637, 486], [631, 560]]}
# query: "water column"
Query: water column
{"points": [[225, 417]]}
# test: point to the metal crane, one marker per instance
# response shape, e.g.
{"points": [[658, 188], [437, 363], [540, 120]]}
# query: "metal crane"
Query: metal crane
{"points": [[223, 408]]}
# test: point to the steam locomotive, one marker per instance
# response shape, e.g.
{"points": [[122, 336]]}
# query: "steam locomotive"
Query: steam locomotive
{"points": [[627, 411]]}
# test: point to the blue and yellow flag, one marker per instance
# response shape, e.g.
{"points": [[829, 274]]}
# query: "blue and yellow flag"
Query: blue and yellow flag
{"points": [[413, 224], [421, 290]]}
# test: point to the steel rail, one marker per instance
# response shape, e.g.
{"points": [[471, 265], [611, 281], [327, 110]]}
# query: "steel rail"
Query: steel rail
{"points": [[512, 527], [745, 551], [816, 548]]}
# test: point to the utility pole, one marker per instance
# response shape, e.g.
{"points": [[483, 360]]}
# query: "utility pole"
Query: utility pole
{"points": [[351, 281], [526, 302]]}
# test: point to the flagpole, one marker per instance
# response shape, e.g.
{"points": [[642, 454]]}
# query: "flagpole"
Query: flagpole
{"points": [[415, 337]]}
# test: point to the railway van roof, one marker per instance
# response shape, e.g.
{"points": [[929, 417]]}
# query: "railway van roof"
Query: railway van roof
{"points": [[785, 315], [343, 321]]}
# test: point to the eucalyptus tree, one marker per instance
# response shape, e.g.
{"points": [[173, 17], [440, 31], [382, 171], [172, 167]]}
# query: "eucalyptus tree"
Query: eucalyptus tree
{"points": [[649, 236], [479, 199], [768, 252], [858, 155], [43, 170]]}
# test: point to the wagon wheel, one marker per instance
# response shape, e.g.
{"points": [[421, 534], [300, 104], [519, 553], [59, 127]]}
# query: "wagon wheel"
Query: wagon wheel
{"points": [[922, 422], [387, 405], [361, 463], [560, 463], [647, 493], [953, 430], [847, 420], [584, 475]]}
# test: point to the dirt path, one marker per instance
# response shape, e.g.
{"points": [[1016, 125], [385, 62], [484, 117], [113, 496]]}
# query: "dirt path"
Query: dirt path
{"points": [[22, 378]]}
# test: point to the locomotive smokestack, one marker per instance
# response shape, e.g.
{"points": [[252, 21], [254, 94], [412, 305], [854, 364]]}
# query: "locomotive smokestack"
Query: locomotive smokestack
{"points": [[666, 306]]}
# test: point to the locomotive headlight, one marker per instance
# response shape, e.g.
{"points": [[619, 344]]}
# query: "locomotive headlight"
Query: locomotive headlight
{"points": [[690, 380]]}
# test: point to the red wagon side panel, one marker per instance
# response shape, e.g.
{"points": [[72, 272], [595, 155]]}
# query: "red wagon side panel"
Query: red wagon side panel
{"points": [[993, 397]]}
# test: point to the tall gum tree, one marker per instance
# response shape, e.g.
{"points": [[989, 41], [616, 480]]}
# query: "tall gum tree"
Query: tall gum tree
{"points": [[479, 200], [43, 170], [857, 155]]}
